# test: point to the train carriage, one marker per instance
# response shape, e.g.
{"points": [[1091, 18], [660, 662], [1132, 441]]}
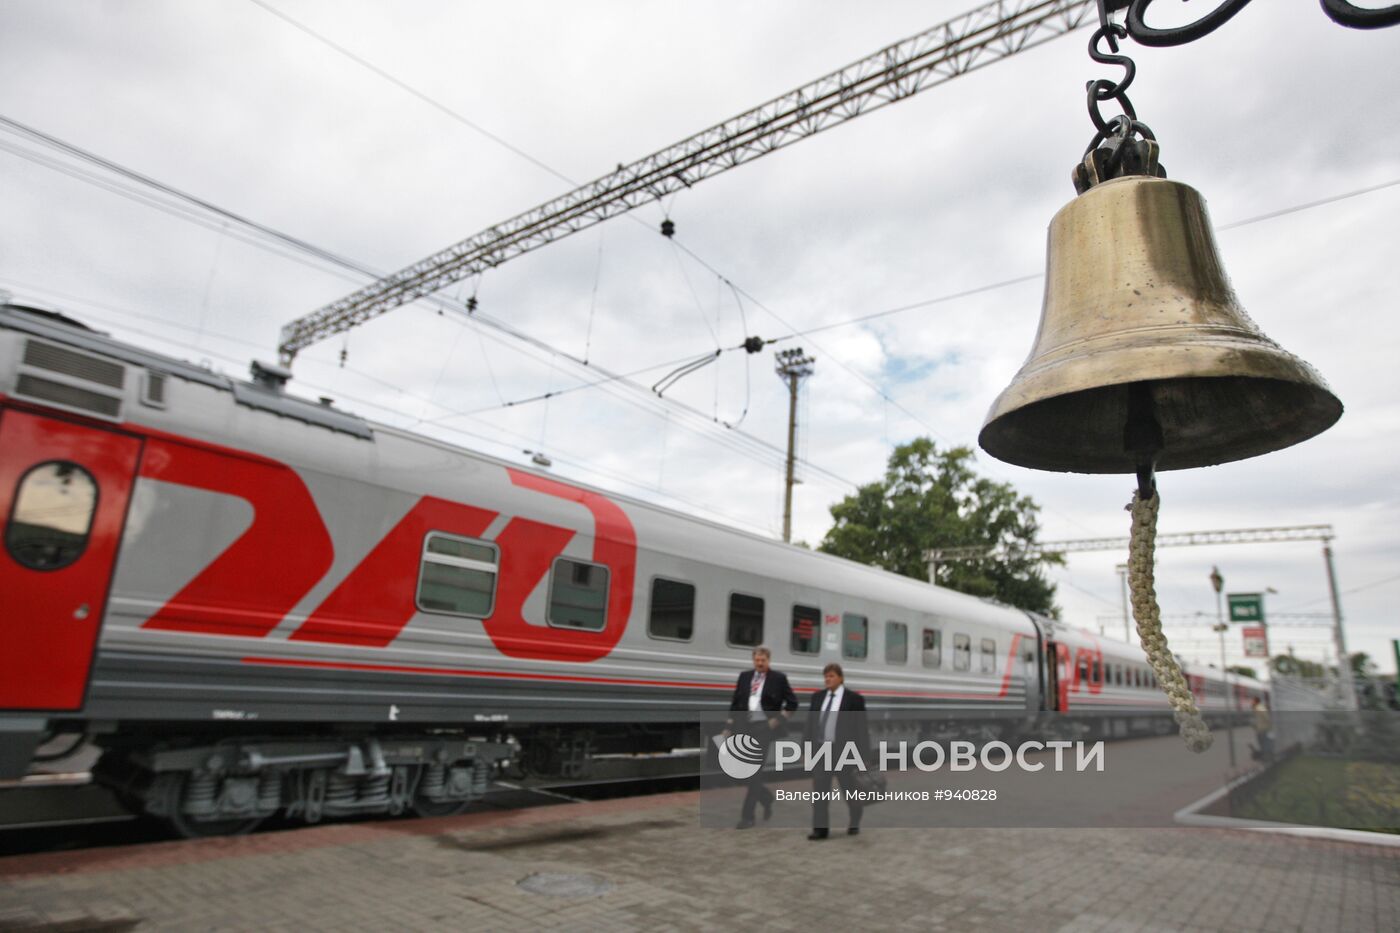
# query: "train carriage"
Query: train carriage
{"points": [[257, 602]]}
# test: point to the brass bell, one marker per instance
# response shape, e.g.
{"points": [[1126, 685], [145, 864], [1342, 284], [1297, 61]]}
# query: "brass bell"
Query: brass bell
{"points": [[1144, 354]]}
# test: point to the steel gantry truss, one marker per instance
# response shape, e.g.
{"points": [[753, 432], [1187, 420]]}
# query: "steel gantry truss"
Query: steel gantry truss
{"points": [[973, 40], [1321, 533], [1183, 539]]}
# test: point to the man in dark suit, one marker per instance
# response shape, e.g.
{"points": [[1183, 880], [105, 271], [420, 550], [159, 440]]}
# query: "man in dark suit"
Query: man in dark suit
{"points": [[837, 716], [763, 701]]}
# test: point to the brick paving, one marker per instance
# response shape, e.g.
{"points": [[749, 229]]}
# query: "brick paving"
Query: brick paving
{"points": [[660, 870]]}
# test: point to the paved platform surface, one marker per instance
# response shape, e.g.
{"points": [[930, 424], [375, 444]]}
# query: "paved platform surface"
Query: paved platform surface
{"points": [[646, 864]]}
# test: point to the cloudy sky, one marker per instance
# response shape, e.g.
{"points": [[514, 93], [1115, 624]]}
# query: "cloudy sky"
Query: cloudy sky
{"points": [[941, 194]]}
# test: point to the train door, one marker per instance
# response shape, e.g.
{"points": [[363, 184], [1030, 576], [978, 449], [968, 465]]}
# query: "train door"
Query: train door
{"points": [[1057, 677], [63, 494], [1052, 677]]}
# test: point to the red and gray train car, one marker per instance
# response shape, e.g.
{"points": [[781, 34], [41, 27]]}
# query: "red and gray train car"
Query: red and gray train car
{"points": [[257, 603]]}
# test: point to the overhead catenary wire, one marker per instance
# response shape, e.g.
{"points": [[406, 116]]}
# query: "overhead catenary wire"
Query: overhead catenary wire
{"points": [[1356, 589], [302, 246], [557, 454], [768, 456], [349, 265], [405, 86], [748, 445], [593, 297]]}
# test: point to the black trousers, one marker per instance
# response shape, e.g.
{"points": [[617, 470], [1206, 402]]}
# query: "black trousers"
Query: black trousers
{"points": [[821, 783], [758, 791]]}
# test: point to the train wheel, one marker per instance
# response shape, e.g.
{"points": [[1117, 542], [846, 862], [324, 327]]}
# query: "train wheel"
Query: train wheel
{"points": [[191, 828]]}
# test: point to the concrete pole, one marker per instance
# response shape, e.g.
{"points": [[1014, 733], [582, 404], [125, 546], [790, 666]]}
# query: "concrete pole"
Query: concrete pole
{"points": [[791, 455], [792, 367], [1338, 638]]}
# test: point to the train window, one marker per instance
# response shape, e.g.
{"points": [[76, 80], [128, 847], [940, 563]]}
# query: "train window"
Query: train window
{"points": [[1082, 672], [806, 630], [962, 653], [578, 595], [933, 647], [458, 575], [672, 610], [1098, 671], [896, 642], [52, 515], [989, 656], [855, 636], [745, 620]]}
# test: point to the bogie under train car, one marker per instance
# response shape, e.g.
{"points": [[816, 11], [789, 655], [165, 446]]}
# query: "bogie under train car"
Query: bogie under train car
{"points": [[256, 603]]}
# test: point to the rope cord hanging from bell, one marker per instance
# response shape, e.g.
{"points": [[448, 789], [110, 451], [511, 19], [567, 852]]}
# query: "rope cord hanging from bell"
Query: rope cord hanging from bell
{"points": [[1148, 617], [1145, 361], [1143, 440]]}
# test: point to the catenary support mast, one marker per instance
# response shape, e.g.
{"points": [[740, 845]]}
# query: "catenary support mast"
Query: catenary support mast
{"points": [[792, 367]]}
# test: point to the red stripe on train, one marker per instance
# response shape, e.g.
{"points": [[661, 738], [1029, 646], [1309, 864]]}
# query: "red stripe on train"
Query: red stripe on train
{"points": [[566, 678]]}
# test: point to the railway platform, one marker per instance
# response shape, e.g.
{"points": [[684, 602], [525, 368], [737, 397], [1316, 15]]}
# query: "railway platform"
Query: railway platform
{"points": [[648, 864]]}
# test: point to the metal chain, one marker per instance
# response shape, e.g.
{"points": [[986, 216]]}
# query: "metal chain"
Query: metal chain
{"points": [[1102, 89], [1148, 617]]}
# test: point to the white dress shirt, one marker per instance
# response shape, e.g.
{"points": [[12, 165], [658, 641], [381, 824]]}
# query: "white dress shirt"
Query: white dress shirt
{"points": [[756, 693]]}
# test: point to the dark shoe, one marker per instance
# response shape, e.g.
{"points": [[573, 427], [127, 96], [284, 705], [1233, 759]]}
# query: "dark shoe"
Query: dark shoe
{"points": [[853, 831], [767, 810], [745, 823], [817, 834]]}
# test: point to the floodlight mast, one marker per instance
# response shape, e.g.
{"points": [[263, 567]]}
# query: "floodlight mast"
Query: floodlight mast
{"points": [[973, 40]]}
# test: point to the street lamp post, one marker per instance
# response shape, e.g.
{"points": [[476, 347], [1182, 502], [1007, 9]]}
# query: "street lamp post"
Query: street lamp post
{"points": [[1217, 582]]}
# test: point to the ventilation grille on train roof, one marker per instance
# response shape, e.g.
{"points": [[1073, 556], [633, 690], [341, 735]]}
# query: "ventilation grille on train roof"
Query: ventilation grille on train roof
{"points": [[75, 381], [78, 365]]}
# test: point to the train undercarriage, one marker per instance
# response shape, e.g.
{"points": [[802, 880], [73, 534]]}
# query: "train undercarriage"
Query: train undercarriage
{"points": [[204, 785]]}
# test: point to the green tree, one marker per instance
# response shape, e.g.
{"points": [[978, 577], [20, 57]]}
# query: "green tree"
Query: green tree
{"points": [[1243, 671], [1362, 665], [933, 499], [1290, 666]]}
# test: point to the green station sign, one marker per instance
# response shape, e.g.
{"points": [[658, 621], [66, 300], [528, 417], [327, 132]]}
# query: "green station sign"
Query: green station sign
{"points": [[1246, 607]]}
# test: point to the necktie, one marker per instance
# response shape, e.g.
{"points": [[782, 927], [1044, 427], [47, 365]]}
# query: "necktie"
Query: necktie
{"points": [[827, 710]]}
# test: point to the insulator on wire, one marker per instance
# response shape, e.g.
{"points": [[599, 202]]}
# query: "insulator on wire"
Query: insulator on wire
{"points": [[754, 344], [471, 304], [668, 227]]}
